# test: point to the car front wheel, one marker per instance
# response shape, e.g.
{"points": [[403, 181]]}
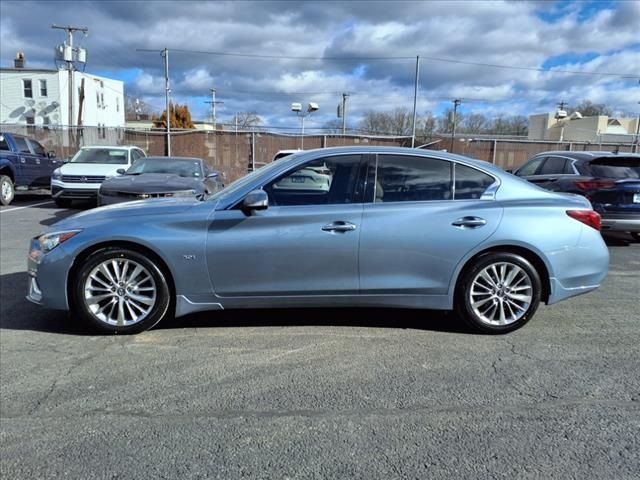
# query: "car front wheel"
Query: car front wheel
{"points": [[635, 236], [7, 190], [498, 293], [120, 291]]}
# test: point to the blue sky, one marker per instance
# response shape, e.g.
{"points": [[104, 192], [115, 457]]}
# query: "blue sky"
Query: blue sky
{"points": [[583, 37]]}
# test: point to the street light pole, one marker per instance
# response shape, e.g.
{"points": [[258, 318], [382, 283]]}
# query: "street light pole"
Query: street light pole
{"points": [[456, 102], [415, 102]]}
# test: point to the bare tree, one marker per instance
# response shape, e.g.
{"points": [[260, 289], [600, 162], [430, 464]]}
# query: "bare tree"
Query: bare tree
{"points": [[589, 109], [247, 120], [474, 123], [397, 122]]}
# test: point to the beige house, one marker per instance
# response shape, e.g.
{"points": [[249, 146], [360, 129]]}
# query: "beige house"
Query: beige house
{"points": [[576, 128]]}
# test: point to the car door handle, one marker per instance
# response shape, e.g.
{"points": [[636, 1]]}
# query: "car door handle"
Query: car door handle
{"points": [[469, 222], [339, 226]]}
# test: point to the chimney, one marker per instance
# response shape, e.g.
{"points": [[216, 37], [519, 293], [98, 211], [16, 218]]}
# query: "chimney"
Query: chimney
{"points": [[19, 60]]}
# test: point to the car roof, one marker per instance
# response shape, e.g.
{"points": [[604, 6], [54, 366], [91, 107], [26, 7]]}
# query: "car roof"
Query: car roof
{"points": [[438, 154], [115, 147], [587, 155]]}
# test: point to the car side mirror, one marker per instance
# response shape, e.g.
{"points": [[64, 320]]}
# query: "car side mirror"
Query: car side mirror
{"points": [[212, 175], [121, 171], [255, 200], [51, 154]]}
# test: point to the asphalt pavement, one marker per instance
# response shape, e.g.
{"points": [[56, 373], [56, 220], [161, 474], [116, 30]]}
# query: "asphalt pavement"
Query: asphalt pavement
{"points": [[318, 394]]}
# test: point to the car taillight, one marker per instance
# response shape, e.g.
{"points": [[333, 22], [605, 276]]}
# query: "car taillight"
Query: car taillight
{"points": [[588, 217], [595, 185]]}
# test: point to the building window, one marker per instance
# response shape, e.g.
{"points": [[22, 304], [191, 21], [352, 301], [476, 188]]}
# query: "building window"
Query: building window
{"points": [[102, 99], [97, 99], [117, 104], [43, 88], [28, 88]]}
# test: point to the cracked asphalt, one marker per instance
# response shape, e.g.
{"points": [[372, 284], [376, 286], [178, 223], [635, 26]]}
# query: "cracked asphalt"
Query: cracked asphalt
{"points": [[387, 394]]}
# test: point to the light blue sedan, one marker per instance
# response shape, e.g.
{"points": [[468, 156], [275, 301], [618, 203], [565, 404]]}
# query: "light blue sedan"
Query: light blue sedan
{"points": [[395, 227]]}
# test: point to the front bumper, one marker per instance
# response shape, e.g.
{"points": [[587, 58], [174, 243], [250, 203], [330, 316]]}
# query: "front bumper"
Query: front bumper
{"points": [[47, 273], [74, 191]]}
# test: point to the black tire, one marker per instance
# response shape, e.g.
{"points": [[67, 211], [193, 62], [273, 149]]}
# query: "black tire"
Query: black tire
{"points": [[62, 202], [497, 295], [635, 236], [159, 309], [7, 190]]}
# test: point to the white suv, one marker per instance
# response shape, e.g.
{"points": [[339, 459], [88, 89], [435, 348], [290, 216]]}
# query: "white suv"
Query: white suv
{"points": [[80, 178]]}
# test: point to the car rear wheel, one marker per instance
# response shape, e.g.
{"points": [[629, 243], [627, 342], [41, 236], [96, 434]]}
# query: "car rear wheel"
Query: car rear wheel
{"points": [[635, 236], [498, 293], [7, 190], [120, 291]]}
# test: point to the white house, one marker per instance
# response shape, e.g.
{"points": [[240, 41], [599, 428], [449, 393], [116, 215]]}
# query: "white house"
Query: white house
{"points": [[41, 97]]}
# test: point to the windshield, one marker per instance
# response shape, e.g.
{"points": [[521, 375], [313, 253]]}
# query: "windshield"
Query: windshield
{"points": [[101, 155], [181, 167], [615, 167]]}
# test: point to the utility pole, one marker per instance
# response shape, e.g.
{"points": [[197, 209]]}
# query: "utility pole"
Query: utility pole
{"points": [[165, 54], [561, 105], [213, 103], [415, 103], [456, 102], [345, 96], [70, 60]]}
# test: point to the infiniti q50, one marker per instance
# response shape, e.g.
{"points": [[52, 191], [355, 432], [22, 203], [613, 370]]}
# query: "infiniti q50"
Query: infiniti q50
{"points": [[390, 227]]}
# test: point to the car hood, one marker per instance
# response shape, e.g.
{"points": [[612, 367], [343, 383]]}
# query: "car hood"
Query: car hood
{"points": [[151, 183], [146, 208], [91, 168]]}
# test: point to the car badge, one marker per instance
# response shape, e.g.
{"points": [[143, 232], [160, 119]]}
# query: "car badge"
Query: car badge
{"points": [[83, 179]]}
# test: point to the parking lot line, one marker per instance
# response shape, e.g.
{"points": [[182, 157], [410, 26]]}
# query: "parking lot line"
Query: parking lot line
{"points": [[26, 206]]}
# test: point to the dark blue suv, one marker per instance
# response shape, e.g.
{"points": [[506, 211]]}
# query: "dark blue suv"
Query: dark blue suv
{"points": [[611, 182]]}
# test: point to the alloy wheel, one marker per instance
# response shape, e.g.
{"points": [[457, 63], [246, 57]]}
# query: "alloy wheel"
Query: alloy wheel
{"points": [[120, 292], [501, 293]]}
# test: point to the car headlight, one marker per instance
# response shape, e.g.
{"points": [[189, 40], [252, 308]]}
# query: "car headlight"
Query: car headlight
{"points": [[181, 193], [56, 175], [49, 241]]}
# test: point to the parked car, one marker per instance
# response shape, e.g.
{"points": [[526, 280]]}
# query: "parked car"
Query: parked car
{"points": [[611, 182], [158, 177], [24, 163], [398, 228], [81, 177], [284, 153]]}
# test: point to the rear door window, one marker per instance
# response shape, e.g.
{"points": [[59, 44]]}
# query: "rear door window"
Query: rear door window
{"points": [[470, 183], [553, 166], [406, 178]]}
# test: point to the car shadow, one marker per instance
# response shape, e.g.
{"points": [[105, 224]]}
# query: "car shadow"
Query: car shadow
{"points": [[57, 216], [17, 313], [617, 239]]}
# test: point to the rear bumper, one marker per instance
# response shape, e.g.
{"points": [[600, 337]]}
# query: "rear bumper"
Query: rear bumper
{"points": [[578, 270], [624, 223]]}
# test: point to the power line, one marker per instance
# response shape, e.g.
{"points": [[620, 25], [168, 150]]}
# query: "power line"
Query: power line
{"points": [[283, 57], [434, 59]]}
